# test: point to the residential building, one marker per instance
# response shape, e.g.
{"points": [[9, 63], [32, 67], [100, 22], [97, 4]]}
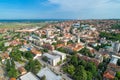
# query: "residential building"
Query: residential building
{"points": [[52, 59], [28, 76], [99, 57], [36, 53], [109, 75], [116, 46], [49, 74], [22, 70], [62, 55]]}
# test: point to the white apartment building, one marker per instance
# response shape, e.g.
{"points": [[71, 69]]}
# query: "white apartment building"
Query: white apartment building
{"points": [[62, 55], [52, 59]]}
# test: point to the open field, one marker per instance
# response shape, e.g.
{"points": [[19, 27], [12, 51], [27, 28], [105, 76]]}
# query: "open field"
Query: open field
{"points": [[21, 25]]}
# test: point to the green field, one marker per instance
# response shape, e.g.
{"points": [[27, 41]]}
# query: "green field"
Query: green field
{"points": [[21, 25]]}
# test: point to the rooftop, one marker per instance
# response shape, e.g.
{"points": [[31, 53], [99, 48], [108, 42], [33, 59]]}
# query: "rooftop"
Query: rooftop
{"points": [[50, 56], [29, 76], [58, 52], [49, 74]]}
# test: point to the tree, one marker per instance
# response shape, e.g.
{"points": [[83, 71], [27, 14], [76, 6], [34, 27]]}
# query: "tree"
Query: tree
{"points": [[91, 68], [74, 60], [80, 73], [43, 77], [82, 62], [33, 66], [61, 49], [118, 62], [86, 52], [10, 68], [118, 75], [8, 65], [69, 69], [16, 55], [28, 55], [13, 73], [44, 58], [89, 75]]}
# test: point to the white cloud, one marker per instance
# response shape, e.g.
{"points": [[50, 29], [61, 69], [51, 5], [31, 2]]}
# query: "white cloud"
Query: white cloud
{"points": [[88, 8]]}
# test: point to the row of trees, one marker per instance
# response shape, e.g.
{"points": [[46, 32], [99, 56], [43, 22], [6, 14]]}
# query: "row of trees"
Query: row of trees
{"points": [[80, 69]]}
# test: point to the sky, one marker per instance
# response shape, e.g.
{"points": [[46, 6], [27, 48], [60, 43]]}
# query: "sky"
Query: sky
{"points": [[59, 9]]}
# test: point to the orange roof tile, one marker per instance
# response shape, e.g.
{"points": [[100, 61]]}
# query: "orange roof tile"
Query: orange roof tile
{"points": [[12, 79]]}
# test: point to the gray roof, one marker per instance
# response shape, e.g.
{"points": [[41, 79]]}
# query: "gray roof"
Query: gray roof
{"points": [[50, 56], [49, 74], [29, 76], [59, 53]]}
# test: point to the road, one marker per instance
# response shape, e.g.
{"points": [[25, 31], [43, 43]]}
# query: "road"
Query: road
{"points": [[55, 69]]}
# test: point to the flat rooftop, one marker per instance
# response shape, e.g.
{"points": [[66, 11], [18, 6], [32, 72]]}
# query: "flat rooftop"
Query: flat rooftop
{"points": [[114, 60], [49, 74], [58, 52], [29, 76], [50, 56]]}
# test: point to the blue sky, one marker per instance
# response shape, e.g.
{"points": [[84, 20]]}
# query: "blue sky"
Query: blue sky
{"points": [[59, 9]]}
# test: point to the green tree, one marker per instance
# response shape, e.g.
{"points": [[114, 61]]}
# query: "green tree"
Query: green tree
{"points": [[13, 73], [118, 62], [118, 75], [91, 68], [44, 58], [28, 55], [80, 73], [82, 62], [89, 75], [70, 69], [10, 69], [43, 77], [74, 60], [85, 51], [33, 66], [16, 55]]}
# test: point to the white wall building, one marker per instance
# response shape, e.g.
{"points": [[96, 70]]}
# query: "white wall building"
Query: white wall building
{"points": [[49, 74], [114, 59], [116, 46], [28, 76], [62, 55], [53, 59]]}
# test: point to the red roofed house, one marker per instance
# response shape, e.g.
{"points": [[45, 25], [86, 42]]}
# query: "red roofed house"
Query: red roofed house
{"points": [[109, 74]]}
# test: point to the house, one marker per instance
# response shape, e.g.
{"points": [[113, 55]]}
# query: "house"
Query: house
{"points": [[12, 79], [48, 46], [114, 59], [88, 59], [99, 57], [15, 42], [4, 56], [6, 44], [36, 52], [22, 70], [52, 59], [28, 76], [109, 74], [60, 45], [49, 74], [75, 47], [62, 55]]}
